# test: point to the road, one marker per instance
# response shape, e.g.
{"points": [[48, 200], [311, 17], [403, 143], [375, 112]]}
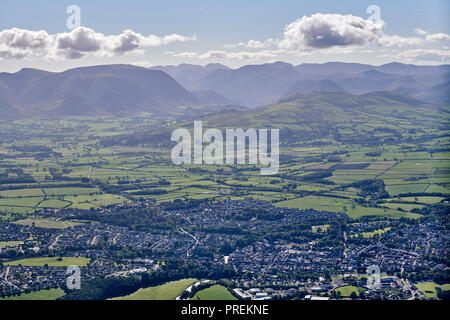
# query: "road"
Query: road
{"points": [[193, 237], [52, 246]]}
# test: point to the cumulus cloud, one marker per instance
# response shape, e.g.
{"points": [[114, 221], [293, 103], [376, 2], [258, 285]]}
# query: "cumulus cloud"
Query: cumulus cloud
{"points": [[24, 39], [427, 55], [19, 43], [438, 37], [15, 54], [322, 31], [328, 30], [254, 44], [187, 54], [420, 32], [218, 54], [398, 41], [434, 37], [328, 34]]}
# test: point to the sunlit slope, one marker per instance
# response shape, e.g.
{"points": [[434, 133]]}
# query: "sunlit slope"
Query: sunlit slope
{"points": [[336, 107]]}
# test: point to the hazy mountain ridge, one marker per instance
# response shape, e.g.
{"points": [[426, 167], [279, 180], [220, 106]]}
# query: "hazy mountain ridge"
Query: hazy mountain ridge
{"points": [[258, 85], [190, 75], [355, 79], [90, 91], [124, 89]]}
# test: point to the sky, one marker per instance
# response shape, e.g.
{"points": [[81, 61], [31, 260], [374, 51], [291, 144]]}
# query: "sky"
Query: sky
{"points": [[36, 34]]}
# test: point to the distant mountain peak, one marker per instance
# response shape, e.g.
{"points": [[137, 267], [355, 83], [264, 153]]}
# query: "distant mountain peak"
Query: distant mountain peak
{"points": [[96, 90]]}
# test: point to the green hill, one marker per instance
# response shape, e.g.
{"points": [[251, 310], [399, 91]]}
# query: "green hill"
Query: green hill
{"points": [[372, 118], [167, 291]]}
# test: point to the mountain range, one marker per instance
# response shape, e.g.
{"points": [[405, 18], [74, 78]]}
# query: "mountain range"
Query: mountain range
{"points": [[125, 89], [257, 85]]}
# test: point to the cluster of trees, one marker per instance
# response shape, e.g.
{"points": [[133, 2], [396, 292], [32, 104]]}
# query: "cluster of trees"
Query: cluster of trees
{"points": [[443, 294], [102, 289], [440, 276], [123, 185], [15, 175], [149, 192], [133, 219], [374, 188], [439, 209]]}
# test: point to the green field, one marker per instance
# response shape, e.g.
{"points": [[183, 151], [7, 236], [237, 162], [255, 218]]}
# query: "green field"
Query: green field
{"points": [[9, 243], [48, 223], [429, 288], [322, 228], [141, 167], [50, 261], [51, 294], [375, 232], [216, 292], [349, 207], [347, 290], [167, 291]]}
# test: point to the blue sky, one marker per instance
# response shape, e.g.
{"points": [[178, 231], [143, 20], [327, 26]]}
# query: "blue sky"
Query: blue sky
{"points": [[218, 25]]}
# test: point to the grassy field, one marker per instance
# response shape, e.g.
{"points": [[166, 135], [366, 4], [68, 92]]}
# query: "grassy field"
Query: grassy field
{"points": [[54, 203], [167, 291], [347, 290], [129, 168], [422, 199], [51, 294], [216, 292], [321, 228], [50, 261], [429, 288], [346, 206], [9, 243], [47, 223], [375, 232], [22, 193]]}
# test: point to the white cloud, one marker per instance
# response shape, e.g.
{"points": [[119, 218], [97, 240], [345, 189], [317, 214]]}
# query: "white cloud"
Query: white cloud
{"points": [[344, 33], [438, 37], [218, 54], [254, 44], [425, 55], [329, 34], [82, 41], [188, 54], [17, 43], [398, 41], [15, 54], [328, 30], [24, 39], [420, 32], [143, 64]]}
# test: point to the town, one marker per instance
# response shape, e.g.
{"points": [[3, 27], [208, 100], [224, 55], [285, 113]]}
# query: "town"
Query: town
{"points": [[306, 260]]}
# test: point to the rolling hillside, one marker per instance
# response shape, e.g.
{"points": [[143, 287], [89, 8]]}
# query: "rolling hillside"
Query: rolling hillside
{"points": [[88, 91], [307, 117]]}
